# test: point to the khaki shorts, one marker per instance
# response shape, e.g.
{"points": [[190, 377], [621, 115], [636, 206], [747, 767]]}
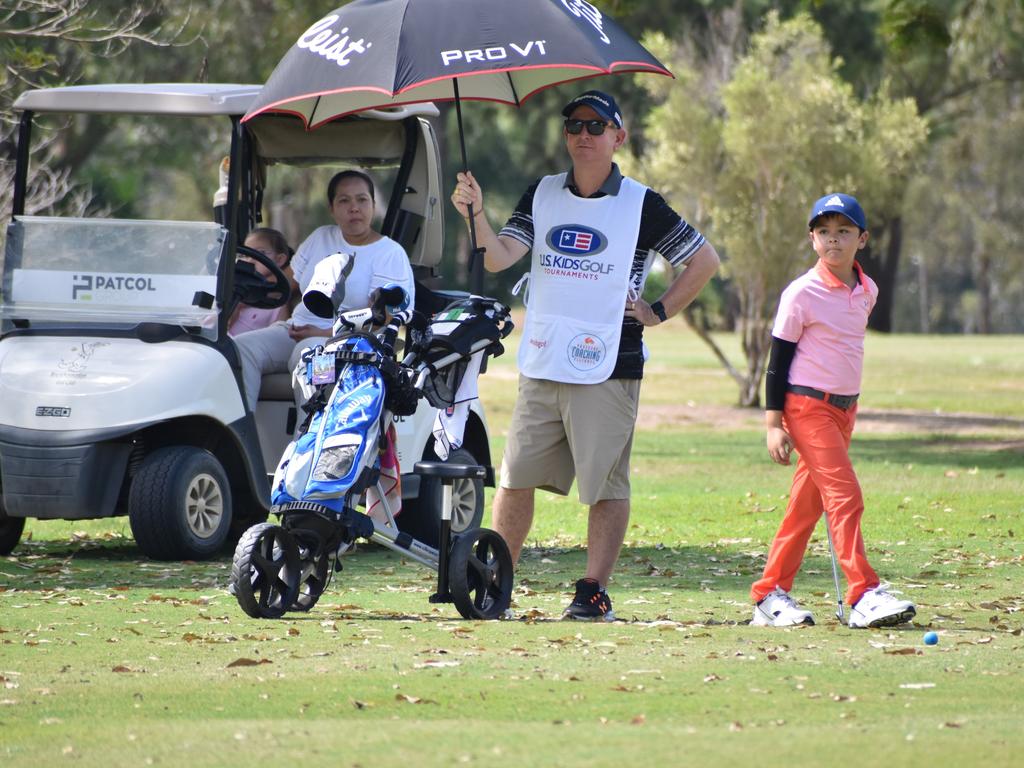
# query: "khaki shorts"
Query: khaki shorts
{"points": [[561, 431]]}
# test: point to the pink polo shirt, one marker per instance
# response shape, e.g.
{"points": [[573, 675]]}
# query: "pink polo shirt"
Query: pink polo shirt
{"points": [[827, 321], [252, 319]]}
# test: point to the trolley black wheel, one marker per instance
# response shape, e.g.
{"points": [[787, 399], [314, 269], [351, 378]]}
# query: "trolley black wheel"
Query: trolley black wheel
{"points": [[315, 568], [265, 572], [480, 574]]}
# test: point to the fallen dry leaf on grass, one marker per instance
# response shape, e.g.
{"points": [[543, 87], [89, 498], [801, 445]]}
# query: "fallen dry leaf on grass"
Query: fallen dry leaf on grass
{"points": [[413, 699]]}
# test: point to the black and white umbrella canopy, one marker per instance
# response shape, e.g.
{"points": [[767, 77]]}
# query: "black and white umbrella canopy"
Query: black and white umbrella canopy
{"points": [[378, 53]]}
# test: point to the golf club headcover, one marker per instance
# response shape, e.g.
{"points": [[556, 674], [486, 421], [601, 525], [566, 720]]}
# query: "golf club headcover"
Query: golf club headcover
{"points": [[404, 316], [326, 290], [393, 297]]}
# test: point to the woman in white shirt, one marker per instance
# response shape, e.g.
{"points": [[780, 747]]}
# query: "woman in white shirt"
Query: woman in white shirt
{"points": [[376, 261]]}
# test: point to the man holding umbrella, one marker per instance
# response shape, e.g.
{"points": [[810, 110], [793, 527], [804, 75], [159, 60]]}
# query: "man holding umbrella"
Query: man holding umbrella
{"points": [[591, 233]]}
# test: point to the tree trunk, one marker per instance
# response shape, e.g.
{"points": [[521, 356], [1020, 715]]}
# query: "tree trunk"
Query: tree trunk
{"points": [[983, 279], [698, 327], [756, 345], [923, 305], [755, 338], [882, 264]]}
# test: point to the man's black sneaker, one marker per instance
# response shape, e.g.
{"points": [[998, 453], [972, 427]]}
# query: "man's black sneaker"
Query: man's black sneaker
{"points": [[590, 604]]}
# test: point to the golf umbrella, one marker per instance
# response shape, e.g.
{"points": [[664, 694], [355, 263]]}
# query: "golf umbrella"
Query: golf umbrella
{"points": [[377, 53]]}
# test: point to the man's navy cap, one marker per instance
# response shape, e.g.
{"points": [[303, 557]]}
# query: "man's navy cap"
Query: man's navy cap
{"points": [[846, 205], [600, 102]]}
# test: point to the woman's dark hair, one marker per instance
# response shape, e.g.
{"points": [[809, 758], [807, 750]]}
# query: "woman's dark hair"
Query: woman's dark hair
{"points": [[349, 174], [277, 241]]}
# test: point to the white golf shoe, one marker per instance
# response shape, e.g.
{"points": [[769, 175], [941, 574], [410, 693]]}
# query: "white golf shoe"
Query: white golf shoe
{"points": [[879, 608], [779, 609]]}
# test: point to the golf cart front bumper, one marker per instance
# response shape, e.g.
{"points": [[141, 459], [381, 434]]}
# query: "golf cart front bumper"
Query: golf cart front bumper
{"points": [[69, 476]]}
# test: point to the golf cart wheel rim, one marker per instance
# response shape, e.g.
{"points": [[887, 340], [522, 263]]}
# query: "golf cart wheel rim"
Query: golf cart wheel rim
{"points": [[463, 504], [204, 505]]}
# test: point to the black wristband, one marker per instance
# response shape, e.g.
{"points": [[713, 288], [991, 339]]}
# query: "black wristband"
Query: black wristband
{"points": [[659, 309]]}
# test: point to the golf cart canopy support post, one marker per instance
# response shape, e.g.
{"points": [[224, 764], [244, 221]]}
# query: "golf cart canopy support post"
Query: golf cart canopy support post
{"points": [[21, 163]]}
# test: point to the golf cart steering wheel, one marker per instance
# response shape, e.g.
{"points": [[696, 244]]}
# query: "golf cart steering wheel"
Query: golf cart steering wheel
{"points": [[254, 289]]}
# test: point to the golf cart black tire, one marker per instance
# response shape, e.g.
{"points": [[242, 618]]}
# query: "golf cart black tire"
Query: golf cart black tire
{"points": [[239, 525], [421, 517], [10, 531], [157, 504], [480, 574]]}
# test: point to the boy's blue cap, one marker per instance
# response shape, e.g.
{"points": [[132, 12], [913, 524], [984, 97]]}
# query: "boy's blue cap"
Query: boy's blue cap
{"points": [[837, 202], [600, 102]]}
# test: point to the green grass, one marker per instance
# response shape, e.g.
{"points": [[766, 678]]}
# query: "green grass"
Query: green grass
{"points": [[108, 660]]}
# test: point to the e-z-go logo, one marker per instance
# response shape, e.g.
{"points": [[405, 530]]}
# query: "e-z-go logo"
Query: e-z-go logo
{"points": [[84, 286]]}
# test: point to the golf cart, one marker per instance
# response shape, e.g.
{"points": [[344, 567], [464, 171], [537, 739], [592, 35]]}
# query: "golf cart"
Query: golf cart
{"points": [[120, 390]]}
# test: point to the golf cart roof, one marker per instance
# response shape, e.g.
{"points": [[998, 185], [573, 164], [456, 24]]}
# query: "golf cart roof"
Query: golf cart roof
{"points": [[184, 99], [361, 138]]}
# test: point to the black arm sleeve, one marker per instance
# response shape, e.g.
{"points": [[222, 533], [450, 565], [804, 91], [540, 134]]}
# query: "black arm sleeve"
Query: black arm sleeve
{"points": [[777, 378]]}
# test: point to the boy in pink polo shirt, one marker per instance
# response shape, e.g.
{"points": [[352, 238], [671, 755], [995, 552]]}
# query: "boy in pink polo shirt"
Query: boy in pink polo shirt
{"points": [[812, 385]]}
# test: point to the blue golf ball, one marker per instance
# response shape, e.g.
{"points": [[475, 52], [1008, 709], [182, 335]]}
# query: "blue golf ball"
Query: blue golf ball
{"points": [[930, 638]]}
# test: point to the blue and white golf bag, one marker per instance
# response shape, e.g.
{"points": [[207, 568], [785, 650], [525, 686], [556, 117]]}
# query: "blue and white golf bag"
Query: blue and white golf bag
{"points": [[342, 439]]}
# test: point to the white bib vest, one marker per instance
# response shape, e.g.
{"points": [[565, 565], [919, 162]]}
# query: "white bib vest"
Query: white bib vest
{"points": [[579, 278]]}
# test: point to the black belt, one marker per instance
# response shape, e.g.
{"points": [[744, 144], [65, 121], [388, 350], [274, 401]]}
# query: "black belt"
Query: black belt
{"points": [[842, 402]]}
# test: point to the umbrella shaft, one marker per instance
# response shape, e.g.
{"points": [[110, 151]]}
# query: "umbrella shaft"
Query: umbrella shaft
{"points": [[462, 135], [476, 265]]}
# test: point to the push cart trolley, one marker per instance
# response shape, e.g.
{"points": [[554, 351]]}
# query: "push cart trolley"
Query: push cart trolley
{"points": [[326, 472]]}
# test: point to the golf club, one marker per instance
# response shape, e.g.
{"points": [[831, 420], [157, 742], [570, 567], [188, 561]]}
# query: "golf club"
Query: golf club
{"points": [[835, 572]]}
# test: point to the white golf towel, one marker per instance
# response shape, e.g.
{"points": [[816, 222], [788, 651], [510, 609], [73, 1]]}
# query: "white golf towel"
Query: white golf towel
{"points": [[450, 424]]}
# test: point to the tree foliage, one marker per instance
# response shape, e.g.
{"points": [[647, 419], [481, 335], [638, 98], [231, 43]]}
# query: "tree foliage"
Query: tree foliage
{"points": [[722, 122], [964, 210], [964, 217], [47, 43], [751, 157]]}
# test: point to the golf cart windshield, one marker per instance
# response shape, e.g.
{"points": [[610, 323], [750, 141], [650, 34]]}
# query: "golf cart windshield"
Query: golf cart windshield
{"points": [[112, 272]]}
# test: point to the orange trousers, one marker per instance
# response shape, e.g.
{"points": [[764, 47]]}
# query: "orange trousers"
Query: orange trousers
{"points": [[824, 481]]}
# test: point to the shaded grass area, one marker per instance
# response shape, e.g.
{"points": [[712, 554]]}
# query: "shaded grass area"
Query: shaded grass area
{"points": [[108, 659], [167, 667], [169, 671]]}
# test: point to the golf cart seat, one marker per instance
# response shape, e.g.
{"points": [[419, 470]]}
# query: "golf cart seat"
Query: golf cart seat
{"points": [[277, 387]]}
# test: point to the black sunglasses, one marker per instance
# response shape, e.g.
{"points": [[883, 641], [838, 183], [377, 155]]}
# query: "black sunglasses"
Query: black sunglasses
{"points": [[594, 127]]}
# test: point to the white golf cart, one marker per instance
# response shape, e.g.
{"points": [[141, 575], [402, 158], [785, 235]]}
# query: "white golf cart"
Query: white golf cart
{"points": [[120, 390]]}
